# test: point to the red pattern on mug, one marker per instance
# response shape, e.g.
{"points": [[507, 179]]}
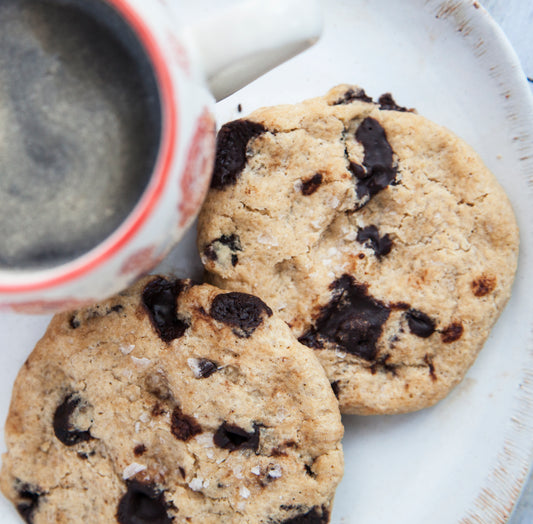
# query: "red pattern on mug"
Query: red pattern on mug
{"points": [[142, 261], [195, 180], [44, 307], [180, 54]]}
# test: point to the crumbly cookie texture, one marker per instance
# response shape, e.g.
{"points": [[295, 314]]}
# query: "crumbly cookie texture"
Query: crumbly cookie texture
{"points": [[172, 402], [380, 238]]}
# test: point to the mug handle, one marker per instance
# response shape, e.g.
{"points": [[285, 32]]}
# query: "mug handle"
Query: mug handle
{"points": [[245, 41]]}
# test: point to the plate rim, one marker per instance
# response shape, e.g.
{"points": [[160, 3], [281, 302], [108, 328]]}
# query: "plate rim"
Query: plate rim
{"points": [[497, 498]]}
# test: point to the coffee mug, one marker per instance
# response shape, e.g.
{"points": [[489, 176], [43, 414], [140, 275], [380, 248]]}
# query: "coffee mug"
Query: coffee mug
{"points": [[107, 134]]}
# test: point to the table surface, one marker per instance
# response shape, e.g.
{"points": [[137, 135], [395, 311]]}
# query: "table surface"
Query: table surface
{"points": [[515, 17]]}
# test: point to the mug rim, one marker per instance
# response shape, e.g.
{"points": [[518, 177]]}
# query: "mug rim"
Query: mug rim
{"points": [[44, 278]]}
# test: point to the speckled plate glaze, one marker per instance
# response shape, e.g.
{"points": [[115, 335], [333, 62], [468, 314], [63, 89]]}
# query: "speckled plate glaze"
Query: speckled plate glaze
{"points": [[466, 459]]}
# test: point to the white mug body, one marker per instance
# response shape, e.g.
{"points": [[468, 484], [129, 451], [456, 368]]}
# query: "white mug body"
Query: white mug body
{"points": [[174, 193], [188, 67]]}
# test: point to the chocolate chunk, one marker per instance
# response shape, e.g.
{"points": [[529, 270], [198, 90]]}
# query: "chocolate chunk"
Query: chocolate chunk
{"points": [[241, 311], [310, 339], [387, 103], [357, 170], [229, 436], [74, 323], [183, 427], [204, 368], [232, 242], [370, 237], [351, 96], [379, 170], [139, 450], [63, 427], [30, 496], [309, 471], [232, 141], [483, 285], [310, 185], [313, 516], [452, 332], [420, 324], [143, 504], [160, 300], [353, 319]]}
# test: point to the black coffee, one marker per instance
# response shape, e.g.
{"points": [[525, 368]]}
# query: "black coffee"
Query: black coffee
{"points": [[80, 125]]}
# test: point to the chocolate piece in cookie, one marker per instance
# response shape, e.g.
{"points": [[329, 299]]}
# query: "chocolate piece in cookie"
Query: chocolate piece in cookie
{"points": [[118, 420], [64, 427], [216, 249], [310, 185], [28, 501], [378, 166], [352, 320], [242, 311], [353, 94], [400, 214], [143, 504], [387, 103], [232, 142], [420, 324], [160, 299], [233, 437], [381, 245]]}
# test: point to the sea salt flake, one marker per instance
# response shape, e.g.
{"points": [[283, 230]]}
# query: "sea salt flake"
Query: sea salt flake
{"points": [[205, 439], [194, 365], [132, 469], [274, 471], [339, 353], [142, 362], [196, 484], [267, 240], [244, 492], [126, 350], [256, 470]]}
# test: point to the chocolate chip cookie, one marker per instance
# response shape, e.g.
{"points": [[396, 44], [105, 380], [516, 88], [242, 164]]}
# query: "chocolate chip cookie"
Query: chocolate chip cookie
{"points": [[380, 238], [172, 402]]}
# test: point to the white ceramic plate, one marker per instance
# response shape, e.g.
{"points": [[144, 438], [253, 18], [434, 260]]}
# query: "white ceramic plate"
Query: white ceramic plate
{"points": [[465, 460]]}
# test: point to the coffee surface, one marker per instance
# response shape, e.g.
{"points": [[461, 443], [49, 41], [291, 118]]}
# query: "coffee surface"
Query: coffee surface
{"points": [[79, 128]]}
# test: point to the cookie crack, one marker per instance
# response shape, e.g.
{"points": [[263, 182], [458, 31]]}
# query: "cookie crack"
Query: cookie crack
{"points": [[263, 211]]}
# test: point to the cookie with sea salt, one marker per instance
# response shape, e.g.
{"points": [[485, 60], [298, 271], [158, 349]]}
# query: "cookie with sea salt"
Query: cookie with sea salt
{"points": [[380, 237], [172, 403]]}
